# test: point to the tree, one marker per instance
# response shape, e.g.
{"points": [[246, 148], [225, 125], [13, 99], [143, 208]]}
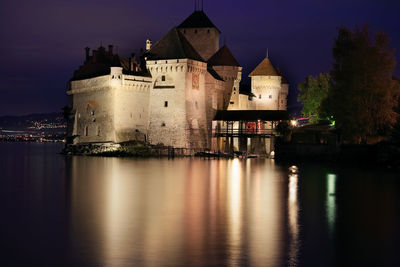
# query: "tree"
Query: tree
{"points": [[313, 92], [363, 94]]}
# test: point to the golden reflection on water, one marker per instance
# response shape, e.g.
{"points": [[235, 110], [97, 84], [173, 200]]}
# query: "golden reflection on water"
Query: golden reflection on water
{"points": [[235, 212], [293, 211], [184, 212]]}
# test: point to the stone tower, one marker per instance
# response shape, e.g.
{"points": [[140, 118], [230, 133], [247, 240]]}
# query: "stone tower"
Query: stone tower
{"points": [[201, 33], [266, 86], [177, 107]]}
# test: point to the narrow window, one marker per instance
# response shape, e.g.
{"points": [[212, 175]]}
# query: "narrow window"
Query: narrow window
{"points": [[163, 78], [231, 103], [165, 103], [86, 131], [208, 31], [163, 124], [98, 131], [270, 96], [195, 31], [197, 106], [259, 96]]}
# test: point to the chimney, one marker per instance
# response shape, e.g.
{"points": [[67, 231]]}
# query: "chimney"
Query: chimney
{"points": [[133, 62], [148, 44], [110, 49], [87, 49]]}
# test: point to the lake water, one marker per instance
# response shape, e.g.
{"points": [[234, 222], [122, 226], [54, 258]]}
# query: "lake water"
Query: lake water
{"points": [[93, 211]]}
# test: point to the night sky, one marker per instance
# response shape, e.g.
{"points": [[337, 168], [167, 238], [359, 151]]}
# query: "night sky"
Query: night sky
{"points": [[42, 42]]}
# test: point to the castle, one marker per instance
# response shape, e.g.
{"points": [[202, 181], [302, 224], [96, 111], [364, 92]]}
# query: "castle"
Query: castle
{"points": [[171, 95]]}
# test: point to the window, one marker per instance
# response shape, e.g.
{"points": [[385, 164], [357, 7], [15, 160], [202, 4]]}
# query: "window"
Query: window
{"points": [[208, 31], [259, 96], [98, 131], [231, 103], [165, 103], [270, 96], [163, 124], [234, 88], [195, 31], [86, 131], [163, 78], [112, 77]]}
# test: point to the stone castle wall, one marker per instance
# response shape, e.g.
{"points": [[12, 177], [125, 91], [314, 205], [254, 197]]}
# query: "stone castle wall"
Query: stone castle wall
{"points": [[110, 108], [266, 90], [93, 110]]}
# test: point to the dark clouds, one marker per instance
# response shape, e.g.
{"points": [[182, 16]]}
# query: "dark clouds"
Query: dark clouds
{"points": [[42, 41]]}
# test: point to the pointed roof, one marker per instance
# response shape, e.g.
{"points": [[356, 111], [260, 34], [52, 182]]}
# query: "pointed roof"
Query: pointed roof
{"points": [[265, 68], [223, 57], [198, 19], [173, 46]]}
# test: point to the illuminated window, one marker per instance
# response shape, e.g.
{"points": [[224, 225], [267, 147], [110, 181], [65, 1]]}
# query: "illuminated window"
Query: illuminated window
{"points": [[165, 103]]}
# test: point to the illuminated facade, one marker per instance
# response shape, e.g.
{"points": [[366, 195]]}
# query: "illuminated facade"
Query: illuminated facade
{"points": [[170, 96]]}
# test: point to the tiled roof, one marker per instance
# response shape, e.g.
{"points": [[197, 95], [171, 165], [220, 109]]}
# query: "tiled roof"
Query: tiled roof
{"points": [[223, 57], [173, 46], [198, 19], [265, 68]]}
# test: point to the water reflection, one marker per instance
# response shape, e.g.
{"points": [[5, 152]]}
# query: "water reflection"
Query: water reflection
{"points": [[153, 212], [235, 212], [331, 201], [293, 211]]}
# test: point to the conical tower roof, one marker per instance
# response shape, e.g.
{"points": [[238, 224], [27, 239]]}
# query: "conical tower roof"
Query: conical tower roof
{"points": [[198, 19], [173, 46], [223, 57], [265, 68]]}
